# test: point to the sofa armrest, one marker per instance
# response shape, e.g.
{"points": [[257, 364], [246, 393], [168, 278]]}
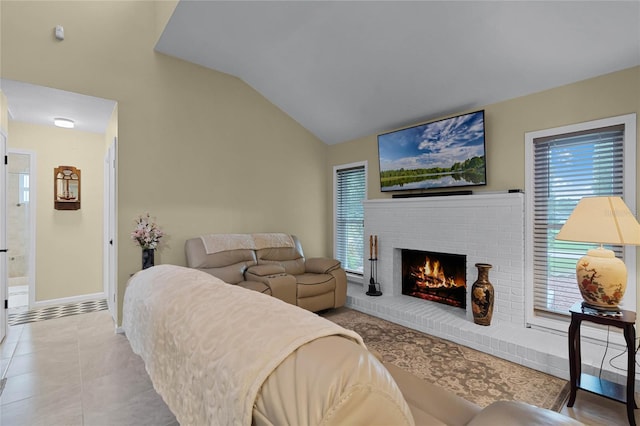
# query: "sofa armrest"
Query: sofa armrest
{"points": [[432, 404], [283, 286], [518, 413], [265, 270], [321, 265], [330, 381]]}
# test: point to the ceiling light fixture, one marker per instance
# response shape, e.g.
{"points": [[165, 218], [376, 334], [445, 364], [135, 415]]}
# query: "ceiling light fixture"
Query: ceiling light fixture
{"points": [[64, 122]]}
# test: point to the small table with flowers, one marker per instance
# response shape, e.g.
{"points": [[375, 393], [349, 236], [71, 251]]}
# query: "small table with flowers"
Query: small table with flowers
{"points": [[624, 320]]}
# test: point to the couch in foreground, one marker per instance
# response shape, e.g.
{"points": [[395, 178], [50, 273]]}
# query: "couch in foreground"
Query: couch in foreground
{"points": [[270, 263], [220, 354]]}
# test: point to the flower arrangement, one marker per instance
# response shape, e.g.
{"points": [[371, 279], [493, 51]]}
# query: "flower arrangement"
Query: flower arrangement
{"points": [[146, 234]]}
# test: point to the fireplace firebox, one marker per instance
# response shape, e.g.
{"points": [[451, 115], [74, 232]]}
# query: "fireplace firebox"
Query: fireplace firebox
{"points": [[439, 277]]}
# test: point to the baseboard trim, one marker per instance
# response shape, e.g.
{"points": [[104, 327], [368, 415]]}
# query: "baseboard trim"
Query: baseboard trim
{"points": [[66, 300]]}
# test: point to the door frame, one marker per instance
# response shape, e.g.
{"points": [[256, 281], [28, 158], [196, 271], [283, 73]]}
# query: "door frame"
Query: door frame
{"points": [[110, 225], [4, 271]]}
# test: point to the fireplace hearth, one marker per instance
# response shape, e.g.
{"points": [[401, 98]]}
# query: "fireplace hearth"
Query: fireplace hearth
{"points": [[438, 277]]}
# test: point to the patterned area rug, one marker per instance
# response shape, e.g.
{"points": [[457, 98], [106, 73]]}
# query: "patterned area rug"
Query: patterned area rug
{"points": [[470, 374], [57, 311]]}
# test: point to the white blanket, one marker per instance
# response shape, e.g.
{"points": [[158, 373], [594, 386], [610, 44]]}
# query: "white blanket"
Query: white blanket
{"points": [[208, 346], [216, 243], [275, 240]]}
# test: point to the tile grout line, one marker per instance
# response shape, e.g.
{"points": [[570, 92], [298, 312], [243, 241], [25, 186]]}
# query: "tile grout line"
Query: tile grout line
{"points": [[3, 375]]}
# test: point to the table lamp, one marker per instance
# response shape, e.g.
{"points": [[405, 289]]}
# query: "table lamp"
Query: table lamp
{"points": [[601, 276]]}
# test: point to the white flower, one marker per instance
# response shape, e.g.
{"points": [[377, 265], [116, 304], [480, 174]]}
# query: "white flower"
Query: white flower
{"points": [[146, 234]]}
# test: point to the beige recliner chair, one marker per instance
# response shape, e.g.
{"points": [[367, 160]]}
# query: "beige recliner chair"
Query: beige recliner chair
{"points": [[278, 268]]}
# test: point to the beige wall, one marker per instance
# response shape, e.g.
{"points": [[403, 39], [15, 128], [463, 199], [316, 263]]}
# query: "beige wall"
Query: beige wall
{"points": [[198, 149], [68, 242], [506, 123], [204, 152]]}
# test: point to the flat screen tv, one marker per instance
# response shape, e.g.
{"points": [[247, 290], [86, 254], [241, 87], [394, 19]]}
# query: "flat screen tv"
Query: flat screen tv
{"points": [[441, 154]]}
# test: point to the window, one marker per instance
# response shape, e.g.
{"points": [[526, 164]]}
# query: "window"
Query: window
{"points": [[564, 165], [350, 190], [23, 188]]}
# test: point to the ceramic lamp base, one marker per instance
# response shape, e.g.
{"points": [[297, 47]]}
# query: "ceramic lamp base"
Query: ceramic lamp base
{"points": [[600, 309], [602, 278]]}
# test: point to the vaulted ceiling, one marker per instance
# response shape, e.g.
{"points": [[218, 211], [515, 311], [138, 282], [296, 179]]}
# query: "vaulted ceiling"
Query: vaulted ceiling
{"points": [[345, 69]]}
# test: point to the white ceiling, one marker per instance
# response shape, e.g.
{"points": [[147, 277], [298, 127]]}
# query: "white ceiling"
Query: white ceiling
{"points": [[348, 69], [30, 103]]}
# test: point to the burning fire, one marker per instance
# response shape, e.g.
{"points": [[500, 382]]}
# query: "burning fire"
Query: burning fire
{"points": [[431, 275]]}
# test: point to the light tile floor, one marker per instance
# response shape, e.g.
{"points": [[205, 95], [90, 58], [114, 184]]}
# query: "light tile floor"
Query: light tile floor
{"points": [[77, 371], [18, 296]]}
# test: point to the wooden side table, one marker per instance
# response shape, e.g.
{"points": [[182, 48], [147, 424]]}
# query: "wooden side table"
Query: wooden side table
{"points": [[592, 384]]}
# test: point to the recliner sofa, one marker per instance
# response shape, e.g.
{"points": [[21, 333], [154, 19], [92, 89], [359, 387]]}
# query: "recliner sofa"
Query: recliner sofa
{"points": [[270, 263], [221, 355]]}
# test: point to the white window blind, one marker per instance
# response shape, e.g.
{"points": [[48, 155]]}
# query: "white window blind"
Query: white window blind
{"points": [[568, 167], [350, 191]]}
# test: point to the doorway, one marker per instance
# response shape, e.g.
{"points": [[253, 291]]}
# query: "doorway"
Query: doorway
{"points": [[35, 105], [20, 186]]}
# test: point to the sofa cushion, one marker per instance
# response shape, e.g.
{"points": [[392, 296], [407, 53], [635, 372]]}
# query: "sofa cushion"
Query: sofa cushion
{"points": [[429, 401], [291, 266], [266, 270], [516, 413], [321, 265], [291, 258], [228, 265], [423, 418], [315, 284]]}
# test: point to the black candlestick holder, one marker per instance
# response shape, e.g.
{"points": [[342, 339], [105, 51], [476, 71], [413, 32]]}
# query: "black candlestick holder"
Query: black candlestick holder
{"points": [[374, 285]]}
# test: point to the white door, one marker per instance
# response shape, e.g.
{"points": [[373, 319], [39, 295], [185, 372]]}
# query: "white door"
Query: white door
{"points": [[109, 267], [3, 237]]}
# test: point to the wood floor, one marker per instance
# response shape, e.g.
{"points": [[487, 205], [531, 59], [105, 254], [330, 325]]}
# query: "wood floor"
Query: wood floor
{"points": [[76, 371], [594, 410]]}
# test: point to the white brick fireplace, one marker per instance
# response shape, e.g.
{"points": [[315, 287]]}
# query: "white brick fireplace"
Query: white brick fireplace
{"points": [[487, 228]]}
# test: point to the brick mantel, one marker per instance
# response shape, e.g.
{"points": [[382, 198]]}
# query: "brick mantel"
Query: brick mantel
{"points": [[487, 228]]}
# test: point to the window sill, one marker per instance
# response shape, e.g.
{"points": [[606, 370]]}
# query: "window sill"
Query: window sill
{"points": [[590, 332], [355, 279]]}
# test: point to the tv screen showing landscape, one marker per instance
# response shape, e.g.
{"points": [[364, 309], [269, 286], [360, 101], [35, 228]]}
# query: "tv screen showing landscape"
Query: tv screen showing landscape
{"points": [[441, 154]]}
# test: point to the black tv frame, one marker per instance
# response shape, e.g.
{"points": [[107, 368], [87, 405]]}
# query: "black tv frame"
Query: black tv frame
{"points": [[425, 127]]}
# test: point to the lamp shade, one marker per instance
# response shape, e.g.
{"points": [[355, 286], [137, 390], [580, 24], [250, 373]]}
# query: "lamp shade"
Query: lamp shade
{"points": [[603, 220], [602, 277]]}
